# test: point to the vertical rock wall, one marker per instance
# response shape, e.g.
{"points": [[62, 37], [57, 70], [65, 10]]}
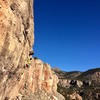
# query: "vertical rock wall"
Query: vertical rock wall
{"points": [[16, 40]]}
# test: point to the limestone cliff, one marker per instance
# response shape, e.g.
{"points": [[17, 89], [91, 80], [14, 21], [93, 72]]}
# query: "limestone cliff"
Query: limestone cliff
{"points": [[16, 40], [18, 82]]}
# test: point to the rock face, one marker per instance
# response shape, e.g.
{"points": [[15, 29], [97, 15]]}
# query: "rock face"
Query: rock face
{"points": [[16, 40]]}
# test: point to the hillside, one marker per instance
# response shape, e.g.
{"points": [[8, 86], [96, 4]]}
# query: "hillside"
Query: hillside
{"points": [[80, 85], [92, 75]]}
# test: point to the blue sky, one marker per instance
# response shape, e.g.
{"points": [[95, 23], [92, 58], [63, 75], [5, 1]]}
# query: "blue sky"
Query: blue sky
{"points": [[67, 33]]}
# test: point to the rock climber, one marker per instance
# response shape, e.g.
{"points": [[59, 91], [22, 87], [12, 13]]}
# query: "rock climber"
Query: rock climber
{"points": [[28, 62]]}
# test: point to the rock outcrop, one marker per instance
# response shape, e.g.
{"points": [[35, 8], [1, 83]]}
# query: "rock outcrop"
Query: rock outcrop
{"points": [[18, 82], [67, 83], [41, 81], [39, 76]]}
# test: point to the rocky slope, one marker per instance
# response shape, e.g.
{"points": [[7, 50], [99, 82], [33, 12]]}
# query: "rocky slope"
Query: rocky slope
{"points": [[18, 82]]}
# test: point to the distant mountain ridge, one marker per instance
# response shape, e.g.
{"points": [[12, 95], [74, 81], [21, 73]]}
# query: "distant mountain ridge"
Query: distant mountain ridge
{"points": [[78, 75]]}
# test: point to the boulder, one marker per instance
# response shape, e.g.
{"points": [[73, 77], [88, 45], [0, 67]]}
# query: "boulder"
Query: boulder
{"points": [[74, 96]]}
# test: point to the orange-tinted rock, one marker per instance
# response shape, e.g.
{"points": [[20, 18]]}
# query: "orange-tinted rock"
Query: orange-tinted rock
{"points": [[41, 77]]}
